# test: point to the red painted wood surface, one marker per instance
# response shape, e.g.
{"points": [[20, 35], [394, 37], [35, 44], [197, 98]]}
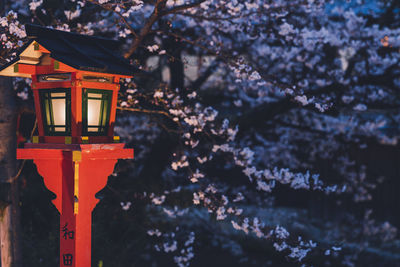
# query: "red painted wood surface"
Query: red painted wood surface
{"points": [[55, 162]]}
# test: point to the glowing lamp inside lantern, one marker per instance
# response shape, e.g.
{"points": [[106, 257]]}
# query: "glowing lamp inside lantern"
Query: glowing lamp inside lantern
{"points": [[56, 106], [95, 111]]}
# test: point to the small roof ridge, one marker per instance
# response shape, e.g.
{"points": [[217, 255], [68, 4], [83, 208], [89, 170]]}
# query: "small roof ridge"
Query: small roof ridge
{"points": [[36, 31]]}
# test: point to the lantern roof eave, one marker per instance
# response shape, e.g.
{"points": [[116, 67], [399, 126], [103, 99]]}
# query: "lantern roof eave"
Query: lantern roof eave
{"points": [[8, 68], [81, 52]]}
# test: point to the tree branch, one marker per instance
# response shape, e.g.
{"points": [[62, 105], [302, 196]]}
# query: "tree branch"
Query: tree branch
{"points": [[157, 13], [181, 7], [161, 112], [106, 7], [206, 74], [149, 111]]}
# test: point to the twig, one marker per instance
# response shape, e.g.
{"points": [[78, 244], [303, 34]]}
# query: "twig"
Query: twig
{"points": [[160, 4], [118, 14], [23, 162], [182, 7], [146, 111]]}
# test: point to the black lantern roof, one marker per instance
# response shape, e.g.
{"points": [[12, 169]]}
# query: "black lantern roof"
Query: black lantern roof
{"points": [[82, 52]]}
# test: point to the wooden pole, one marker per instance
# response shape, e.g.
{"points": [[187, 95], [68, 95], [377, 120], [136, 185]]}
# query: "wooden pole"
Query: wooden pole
{"points": [[9, 198], [75, 173]]}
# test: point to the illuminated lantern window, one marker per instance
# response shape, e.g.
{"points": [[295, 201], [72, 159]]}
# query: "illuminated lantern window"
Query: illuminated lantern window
{"points": [[96, 111], [56, 111]]}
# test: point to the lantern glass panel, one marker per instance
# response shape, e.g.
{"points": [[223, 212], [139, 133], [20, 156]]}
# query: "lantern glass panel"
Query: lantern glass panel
{"points": [[59, 106], [96, 111], [56, 111]]}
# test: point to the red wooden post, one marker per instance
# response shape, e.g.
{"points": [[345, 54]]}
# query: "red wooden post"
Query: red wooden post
{"points": [[75, 173]]}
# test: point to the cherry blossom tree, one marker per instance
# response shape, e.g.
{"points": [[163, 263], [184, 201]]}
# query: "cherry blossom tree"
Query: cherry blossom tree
{"points": [[244, 108]]}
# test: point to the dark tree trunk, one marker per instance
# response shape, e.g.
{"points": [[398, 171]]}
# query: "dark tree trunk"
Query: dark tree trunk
{"points": [[9, 200], [175, 64]]}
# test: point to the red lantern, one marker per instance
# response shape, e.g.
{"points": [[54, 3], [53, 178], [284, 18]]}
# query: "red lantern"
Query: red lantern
{"points": [[75, 83]]}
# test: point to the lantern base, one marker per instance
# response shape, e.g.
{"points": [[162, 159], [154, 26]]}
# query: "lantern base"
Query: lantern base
{"points": [[92, 139], [75, 173]]}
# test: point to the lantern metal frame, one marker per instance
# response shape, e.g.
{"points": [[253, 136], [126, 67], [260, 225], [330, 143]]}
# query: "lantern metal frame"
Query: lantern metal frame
{"points": [[105, 109], [48, 111]]}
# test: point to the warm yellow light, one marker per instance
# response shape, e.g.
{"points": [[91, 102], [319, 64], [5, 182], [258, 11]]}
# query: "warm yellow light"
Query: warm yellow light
{"points": [[59, 110], [94, 109]]}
